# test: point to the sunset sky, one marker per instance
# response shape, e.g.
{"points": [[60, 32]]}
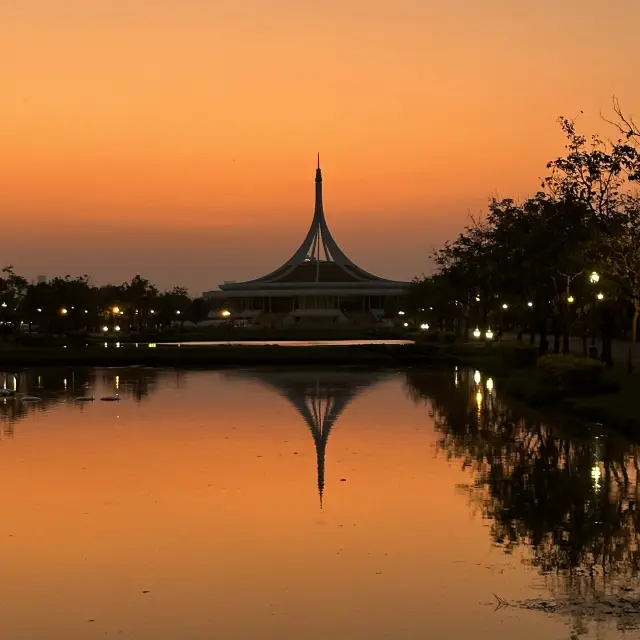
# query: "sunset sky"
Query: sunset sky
{"points": [[177, 138]]}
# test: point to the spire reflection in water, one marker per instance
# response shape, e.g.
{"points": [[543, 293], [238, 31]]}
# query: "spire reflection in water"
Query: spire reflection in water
{"points": [[194, 502], [320, 397]]}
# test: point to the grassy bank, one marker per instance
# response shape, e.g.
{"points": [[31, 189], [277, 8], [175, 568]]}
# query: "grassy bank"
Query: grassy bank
{"points": [[379, 355], [215, 334], [613, 400]]}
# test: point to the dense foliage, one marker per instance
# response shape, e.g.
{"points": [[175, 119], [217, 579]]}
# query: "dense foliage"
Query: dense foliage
{"points": [[63, 305], [565, 261]]}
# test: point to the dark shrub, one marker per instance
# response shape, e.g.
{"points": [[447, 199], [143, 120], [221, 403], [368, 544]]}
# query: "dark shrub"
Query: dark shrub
{"points": [[571, 376], [449, 337], [520, 356], [427, 336]]}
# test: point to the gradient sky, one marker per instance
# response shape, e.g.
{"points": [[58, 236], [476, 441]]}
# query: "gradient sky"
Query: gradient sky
{"points": [[177, 138]]}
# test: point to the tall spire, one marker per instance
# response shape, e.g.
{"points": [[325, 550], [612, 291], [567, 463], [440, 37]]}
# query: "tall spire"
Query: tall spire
{"points": [[318, 247]]}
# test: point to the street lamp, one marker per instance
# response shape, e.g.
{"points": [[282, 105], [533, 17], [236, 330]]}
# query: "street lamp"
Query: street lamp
{"points": [[600, 296], [400, 313], [424, 326], [505, 306], [63, 311], [571, 299], [594, 277], [4, 305], [529, 304], [477, 333], [489, 335], [226, 313]]}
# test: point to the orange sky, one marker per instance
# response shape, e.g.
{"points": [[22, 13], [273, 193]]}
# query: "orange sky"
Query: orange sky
{"points": [[178, 138]]}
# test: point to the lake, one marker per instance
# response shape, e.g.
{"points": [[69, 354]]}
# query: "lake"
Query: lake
{"points": [[280, 504]]}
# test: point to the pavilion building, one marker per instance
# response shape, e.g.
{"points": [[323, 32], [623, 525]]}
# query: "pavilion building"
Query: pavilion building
{"points": [[319, 284]]}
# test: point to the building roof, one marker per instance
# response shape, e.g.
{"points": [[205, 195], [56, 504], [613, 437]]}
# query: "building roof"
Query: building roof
{"points": [[319, 263]]}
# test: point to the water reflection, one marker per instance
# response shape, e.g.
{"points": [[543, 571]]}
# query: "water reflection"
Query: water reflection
{"points": [[320, 397], [195, 501], [54, 386], [567, 492]]}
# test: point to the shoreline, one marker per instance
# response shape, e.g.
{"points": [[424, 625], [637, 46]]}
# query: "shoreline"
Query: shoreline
{"points": [[616, 409], [225, 355]]}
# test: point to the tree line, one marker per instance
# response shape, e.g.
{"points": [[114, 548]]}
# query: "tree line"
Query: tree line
{"points": [[61, 305], [565, 261]]}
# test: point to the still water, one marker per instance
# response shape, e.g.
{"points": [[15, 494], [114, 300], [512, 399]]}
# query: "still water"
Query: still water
{"points": [[344, 504]]}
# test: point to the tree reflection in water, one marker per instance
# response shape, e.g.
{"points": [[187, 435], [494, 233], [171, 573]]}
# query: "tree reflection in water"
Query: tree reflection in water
{"points": [[568, 492]]}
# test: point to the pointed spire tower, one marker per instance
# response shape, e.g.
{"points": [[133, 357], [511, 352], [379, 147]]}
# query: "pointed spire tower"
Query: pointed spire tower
{"points": [[319, 259]]}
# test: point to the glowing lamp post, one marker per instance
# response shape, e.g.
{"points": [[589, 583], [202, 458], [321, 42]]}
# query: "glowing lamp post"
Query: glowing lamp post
{"points": [[594, 277]]}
